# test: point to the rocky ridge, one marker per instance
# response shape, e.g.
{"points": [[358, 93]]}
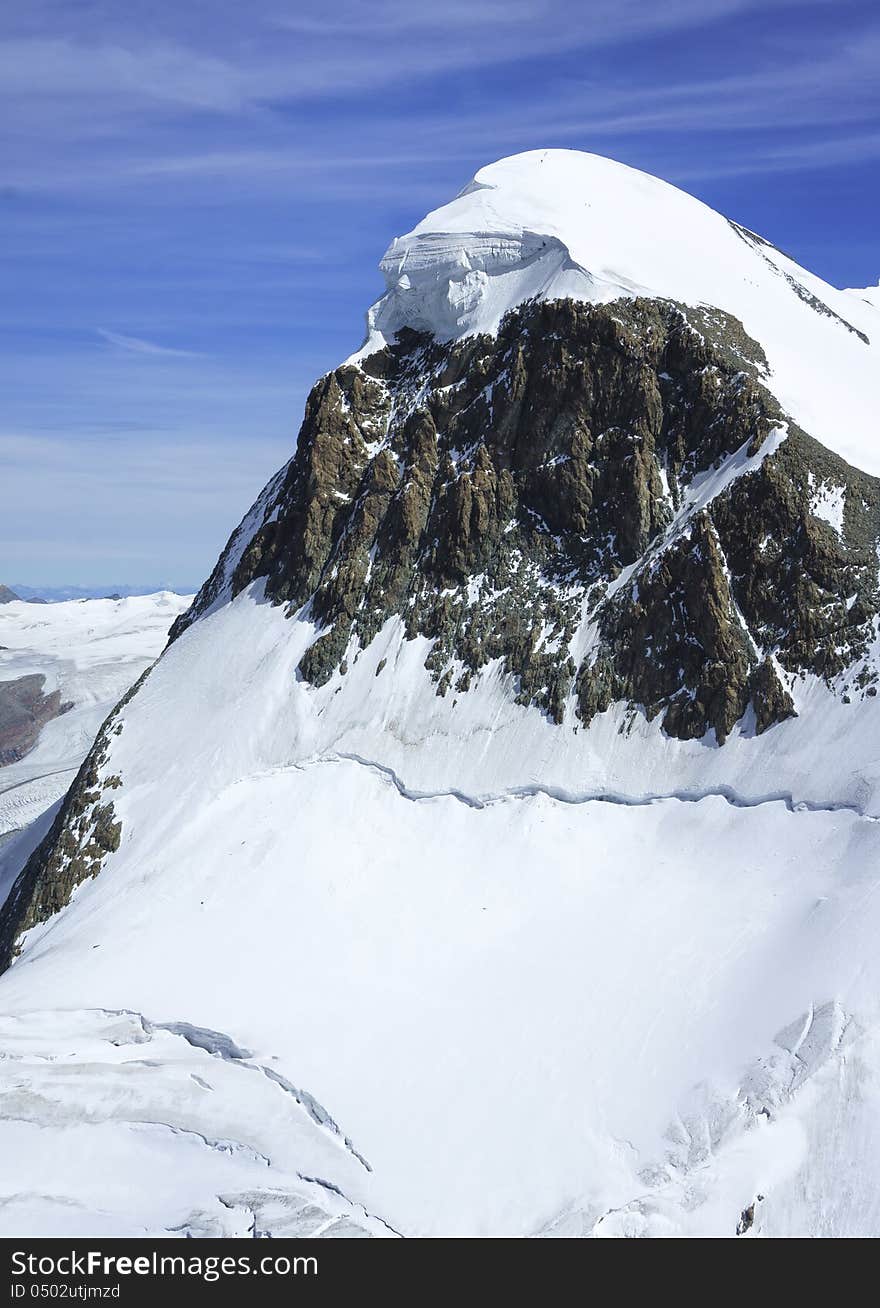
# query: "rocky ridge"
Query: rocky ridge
{"points": [[84, 831], [605, 498]]}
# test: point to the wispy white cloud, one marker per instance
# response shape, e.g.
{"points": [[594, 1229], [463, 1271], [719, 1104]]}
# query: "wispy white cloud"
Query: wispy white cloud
{"points": [[62, 67], [137, 345], [257, 54], [806, 156], [105, 106]]}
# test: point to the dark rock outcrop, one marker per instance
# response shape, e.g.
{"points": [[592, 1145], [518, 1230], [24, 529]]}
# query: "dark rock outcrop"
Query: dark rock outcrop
{"points": [[497, 493], [84, 832]]}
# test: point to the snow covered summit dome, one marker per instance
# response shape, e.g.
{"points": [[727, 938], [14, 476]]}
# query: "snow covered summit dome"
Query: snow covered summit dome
{"points": [[555, 224]]}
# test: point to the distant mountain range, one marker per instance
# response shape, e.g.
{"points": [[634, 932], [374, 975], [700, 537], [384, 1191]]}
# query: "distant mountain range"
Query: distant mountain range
{"points": [[54, 594]]}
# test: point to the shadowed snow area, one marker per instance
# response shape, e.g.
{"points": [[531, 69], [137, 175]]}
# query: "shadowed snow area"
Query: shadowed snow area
{"points": [[150, 1120]]}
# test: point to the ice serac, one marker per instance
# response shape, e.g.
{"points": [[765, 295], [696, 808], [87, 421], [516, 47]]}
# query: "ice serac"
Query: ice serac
{"points": [[493, 849], [561, 223]]}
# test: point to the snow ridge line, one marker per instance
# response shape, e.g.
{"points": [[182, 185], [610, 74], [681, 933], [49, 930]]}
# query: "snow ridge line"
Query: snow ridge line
{"points": [[561, 796]]}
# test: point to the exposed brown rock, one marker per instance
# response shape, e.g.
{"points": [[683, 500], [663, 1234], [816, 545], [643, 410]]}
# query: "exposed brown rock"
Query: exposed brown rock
{"points": [[487, 492], [24, 711]]}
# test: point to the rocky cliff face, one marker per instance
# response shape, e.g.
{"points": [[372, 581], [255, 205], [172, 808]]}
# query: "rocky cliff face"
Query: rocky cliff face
{"points": [[605, 498]]}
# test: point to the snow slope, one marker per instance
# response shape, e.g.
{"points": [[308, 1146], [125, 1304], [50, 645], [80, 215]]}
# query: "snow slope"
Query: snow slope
{"points": [[529, 1010], [561, 223], [507, 1011], [870, 294], [91, 651]]}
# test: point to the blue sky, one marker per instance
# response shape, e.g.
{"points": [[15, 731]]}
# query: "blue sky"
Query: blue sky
{"points": [[195, 194]]}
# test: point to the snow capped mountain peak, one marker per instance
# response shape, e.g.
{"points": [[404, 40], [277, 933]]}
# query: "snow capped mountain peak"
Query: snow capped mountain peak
{"points": [[563, 224], [547, 223], [605, 229], [615, 225], [492, 849]]}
